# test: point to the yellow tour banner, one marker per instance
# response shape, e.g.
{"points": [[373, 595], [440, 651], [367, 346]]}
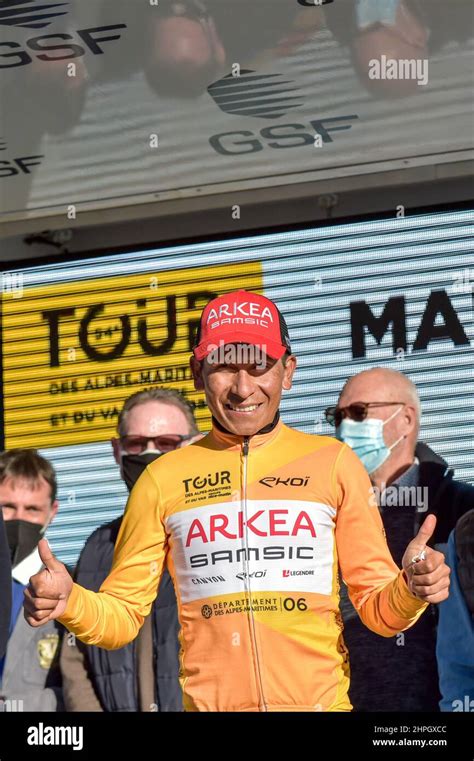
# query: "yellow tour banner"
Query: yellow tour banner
{"points": [[74, 351]]}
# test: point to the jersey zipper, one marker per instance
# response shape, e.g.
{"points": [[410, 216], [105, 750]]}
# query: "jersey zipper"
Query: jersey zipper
{"points": [[253, 634]]}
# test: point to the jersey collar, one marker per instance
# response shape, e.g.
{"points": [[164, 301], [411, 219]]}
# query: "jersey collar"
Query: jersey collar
{"points": [[224, 439]]}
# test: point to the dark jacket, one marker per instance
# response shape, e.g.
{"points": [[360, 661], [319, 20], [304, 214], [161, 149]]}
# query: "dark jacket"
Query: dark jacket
{"points": [[455, 642], [5, 588], [114, 673], [465, 558], [400, 673]]}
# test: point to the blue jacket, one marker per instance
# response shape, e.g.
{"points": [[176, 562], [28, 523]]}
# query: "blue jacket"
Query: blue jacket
{"points": [[455, 645]]}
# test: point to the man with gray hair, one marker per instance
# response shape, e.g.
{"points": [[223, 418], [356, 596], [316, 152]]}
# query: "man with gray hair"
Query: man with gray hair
{"points": [[5, 588], [143, 675], [378, 415]]}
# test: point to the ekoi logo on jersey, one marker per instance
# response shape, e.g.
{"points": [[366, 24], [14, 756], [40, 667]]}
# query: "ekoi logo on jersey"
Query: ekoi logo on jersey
{"points": [[246, 313], [263, 523]]}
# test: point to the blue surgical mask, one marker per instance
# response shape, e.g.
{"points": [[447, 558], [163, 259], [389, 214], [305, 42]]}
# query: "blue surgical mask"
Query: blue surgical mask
{"points": [[370, 12], [365, 437]]}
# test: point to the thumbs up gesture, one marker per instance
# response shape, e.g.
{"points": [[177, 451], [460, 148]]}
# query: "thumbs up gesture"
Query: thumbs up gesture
{"points": [[48, 591], [427, 573]]}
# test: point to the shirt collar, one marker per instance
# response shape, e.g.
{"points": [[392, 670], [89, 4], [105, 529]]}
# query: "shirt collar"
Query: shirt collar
{"points": [[410, 476], [27, 567]]}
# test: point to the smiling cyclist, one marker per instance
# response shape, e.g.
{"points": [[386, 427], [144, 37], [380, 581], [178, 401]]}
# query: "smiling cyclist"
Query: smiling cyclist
{"points": [[254, 522]]}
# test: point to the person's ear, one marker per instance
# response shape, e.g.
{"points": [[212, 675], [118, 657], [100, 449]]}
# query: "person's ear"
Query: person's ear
{"points": [[53, 511], [409, 418], [288, 372], [116, 450], [196, 370]]}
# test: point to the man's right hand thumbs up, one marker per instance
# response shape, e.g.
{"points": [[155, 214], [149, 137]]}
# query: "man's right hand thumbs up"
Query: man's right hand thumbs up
{"points": [[48, 591]]}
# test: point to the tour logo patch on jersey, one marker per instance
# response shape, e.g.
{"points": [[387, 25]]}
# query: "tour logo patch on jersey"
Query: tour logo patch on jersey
{"points": [[215, 541], [213, 485]]}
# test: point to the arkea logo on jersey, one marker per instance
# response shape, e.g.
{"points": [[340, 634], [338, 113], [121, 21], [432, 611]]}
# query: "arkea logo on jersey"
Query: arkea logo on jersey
{"points": [[265, 523]]}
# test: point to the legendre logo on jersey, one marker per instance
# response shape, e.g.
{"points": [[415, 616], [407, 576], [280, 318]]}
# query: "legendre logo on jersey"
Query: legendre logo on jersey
{"points": [[246, 313]]}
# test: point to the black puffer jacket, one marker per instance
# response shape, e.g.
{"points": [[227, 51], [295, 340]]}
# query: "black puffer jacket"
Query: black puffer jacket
{"points": [[114, 672]]}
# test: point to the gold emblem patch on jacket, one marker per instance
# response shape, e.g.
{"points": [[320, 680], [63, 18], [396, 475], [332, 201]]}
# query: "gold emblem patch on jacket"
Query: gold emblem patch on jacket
{"points": [[47, 647]]}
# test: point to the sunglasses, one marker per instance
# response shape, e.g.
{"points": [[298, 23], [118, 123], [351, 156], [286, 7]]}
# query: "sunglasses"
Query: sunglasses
{"points": [[357, 411], [165, 443]]}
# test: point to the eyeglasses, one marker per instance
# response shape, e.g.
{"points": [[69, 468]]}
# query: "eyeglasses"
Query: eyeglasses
{"points": [[196, 9], [357, 411], [166, 443]]}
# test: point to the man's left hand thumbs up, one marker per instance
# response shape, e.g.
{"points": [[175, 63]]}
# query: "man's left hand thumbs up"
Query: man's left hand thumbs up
{"points": [[427, 573]]}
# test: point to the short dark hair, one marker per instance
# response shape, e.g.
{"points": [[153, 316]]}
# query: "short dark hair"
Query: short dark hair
{"points": [[27, 465], [165, 396]]}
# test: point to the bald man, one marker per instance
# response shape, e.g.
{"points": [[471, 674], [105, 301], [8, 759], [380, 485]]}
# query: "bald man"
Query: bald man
{"points": [[378, 414], [189, 44]]}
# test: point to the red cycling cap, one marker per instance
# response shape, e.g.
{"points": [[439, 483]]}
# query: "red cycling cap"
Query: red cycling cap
{"points": [[242, 317]]}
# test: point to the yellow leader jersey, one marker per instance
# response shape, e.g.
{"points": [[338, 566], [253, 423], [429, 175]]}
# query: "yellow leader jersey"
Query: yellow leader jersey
{"points": [[253, 531]]}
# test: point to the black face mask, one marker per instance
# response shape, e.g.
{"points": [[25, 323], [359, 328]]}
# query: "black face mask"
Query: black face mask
{"points": [[133, 466], [22, 537]]}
